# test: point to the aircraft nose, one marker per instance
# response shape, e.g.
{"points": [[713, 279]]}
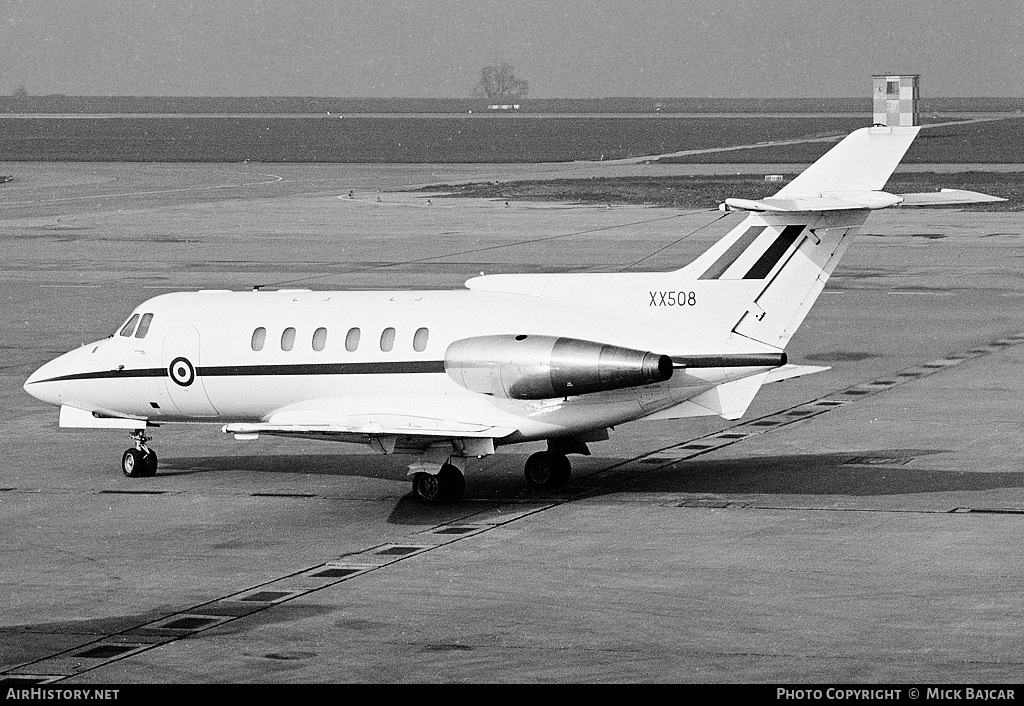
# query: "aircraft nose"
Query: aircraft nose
{"points": [[44, 383]]}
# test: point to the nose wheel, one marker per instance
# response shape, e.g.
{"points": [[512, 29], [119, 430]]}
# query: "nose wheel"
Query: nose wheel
{"points": [[140, 461]]}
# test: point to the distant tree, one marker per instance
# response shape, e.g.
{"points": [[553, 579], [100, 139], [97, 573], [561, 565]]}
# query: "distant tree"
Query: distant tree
{"points": [[498, 82], [19, 99]]}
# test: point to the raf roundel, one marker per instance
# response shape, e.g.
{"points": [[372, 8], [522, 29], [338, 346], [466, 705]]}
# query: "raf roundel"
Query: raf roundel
{"points": [[182, 372]]}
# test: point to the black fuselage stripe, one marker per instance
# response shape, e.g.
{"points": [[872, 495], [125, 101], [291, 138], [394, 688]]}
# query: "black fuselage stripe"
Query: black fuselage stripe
{"points": [[110, 374], [383, 368], [426, 366]]}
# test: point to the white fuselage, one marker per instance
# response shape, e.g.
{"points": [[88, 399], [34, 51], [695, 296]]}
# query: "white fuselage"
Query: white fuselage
{"points": [[364, 355]]}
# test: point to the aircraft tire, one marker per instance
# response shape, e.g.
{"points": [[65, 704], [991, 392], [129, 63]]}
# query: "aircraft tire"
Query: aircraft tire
{"points": [[447, 484], [151, 464], [133, 464], [453, 483], [427, 488], [547, 470]]}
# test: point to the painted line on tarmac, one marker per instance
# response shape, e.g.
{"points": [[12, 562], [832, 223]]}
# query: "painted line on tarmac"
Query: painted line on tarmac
{"points": [[94, 652], [178, 625]]}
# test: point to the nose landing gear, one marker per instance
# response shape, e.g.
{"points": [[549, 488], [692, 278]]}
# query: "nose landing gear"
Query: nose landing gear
{"points": [[140, 461]]}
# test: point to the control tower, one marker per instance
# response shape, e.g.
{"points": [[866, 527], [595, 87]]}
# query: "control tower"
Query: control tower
{"points": [[896, 99]]}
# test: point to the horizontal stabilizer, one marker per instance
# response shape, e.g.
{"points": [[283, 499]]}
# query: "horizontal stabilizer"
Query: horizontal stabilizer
{"points": [[947, 197], [840, 201], [846, 200]]}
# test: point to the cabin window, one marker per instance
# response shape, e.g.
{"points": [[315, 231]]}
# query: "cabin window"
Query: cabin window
{"points": [[319, 339], [352, 340], [147, 319], [259, 337], [129, 328], [419, 340], [288, 339], [387, 339]]}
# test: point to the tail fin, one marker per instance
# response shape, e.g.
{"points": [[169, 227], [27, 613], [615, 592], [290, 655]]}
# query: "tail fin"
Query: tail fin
{"points": [[765, 275], [777, 261], [752, 289], [863, 161]]}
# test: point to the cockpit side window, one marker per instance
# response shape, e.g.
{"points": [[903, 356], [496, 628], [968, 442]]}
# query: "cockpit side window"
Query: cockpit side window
{"points": [[129, 328], [147, 319]]}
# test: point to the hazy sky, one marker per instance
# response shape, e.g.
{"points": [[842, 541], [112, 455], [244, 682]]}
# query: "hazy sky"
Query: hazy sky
{"points": [[585, 49]]}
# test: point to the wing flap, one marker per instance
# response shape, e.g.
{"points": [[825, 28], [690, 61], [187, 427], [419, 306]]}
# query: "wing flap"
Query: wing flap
{"points": [[362, 426], [363, 418]]}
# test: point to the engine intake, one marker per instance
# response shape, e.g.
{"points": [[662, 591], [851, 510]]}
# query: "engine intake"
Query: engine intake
{"points": [[544, 367]]}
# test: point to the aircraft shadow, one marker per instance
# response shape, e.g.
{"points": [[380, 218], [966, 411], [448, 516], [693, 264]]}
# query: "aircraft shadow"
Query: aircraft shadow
{"points": [[866, 473], [870, 473], [352, 465], [110, 625]]}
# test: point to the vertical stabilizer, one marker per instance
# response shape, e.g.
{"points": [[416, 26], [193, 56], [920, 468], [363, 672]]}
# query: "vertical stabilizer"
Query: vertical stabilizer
{"points": [[863, 161], [776, 262], [788, 294]]}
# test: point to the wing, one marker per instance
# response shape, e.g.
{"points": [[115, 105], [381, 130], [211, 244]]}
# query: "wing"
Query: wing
{"points": [[386, 431]]}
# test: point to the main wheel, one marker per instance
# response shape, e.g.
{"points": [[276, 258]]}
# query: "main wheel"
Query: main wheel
{"points": [[547, 469], [133, 464], [447, 484], [426, 487], [453, 483], [151, 463]]}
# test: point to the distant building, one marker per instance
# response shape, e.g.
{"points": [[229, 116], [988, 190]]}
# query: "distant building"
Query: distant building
{"points": [[896, 99]]}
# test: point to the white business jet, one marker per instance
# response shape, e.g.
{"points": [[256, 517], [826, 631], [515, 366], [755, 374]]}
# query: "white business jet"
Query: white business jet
{"points": [[448, 375]]}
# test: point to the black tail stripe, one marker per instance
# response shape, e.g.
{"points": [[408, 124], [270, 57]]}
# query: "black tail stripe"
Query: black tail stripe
{"points": [[732, 254], [774, 253]]}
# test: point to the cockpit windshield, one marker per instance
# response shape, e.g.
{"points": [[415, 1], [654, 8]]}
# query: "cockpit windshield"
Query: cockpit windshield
{"points": [[147, 319], [129, 327], [143, 326]]}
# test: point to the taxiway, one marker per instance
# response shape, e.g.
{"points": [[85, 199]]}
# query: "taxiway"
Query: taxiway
{"points": [[865, 524]]}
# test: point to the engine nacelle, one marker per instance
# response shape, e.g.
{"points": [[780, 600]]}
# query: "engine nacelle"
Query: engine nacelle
{"points": [[544, 367]]}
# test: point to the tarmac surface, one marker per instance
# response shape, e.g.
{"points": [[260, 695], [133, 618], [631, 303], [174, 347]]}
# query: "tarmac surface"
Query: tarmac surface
{"points": [[861, 525]]}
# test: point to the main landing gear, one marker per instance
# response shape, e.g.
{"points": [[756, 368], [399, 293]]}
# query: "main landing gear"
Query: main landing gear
{"points": [[140, 461], [547, 470], [446, 484]]}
